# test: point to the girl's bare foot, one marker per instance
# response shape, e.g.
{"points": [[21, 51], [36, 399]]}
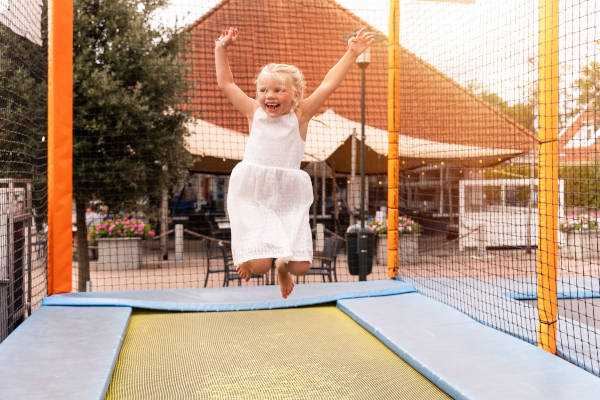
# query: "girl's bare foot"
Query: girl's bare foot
{"points": [[286, 282], [243, 271]]}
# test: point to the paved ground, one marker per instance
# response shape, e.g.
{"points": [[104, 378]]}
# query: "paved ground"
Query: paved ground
{"points": [[437, 258]]}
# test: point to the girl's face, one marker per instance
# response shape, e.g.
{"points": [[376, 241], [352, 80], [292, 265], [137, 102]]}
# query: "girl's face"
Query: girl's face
{"points": [[273, 95]]}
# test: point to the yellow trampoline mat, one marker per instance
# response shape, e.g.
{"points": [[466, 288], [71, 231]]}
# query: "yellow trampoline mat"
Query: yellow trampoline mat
{"points": [[299, 353]]}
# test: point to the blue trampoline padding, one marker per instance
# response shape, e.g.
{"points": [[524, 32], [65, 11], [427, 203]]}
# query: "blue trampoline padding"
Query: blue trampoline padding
{"points": [[238, 298], [465, 358], [62, 353]]}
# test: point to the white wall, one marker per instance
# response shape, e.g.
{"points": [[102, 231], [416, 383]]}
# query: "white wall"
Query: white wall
{"points": [[23, 17]]}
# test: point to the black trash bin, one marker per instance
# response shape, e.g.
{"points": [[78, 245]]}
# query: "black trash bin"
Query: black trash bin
{"points": [[360, 241]]}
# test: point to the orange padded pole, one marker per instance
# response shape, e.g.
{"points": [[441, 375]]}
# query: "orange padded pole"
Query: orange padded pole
{"points": [[60, 144], [393, 132], [548, 180]]}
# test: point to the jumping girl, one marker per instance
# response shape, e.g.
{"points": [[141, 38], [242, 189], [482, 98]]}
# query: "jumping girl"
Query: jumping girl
{"points": [[269, 195]]}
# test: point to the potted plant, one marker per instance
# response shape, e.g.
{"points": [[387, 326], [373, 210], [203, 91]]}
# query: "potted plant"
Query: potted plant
{"points": [[119, 242], [379, 229], [409, 231], [579, 235]]}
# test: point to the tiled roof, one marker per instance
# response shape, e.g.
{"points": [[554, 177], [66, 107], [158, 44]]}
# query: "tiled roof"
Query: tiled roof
{"points": [[572, 143], [312, 34]]}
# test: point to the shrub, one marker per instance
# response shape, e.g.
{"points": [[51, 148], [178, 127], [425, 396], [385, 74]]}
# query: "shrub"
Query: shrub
{"points": [[407, 226], [378, 227], [120, 228], [579, 223]]}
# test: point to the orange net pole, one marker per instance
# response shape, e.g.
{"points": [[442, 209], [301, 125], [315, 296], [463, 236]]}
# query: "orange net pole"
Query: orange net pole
{"points": [[548, 181], [60, 144], [393, 131]]}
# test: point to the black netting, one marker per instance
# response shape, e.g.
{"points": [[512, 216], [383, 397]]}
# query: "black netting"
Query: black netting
{"points": [[156, 140], [497, 158], [23, 188]]}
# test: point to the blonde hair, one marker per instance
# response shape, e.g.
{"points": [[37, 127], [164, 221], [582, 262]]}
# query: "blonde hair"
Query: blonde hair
{"points": [[290, 75]]}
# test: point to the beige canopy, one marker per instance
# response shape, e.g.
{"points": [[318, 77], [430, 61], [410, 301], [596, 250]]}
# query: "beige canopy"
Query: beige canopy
{"points": [[217, 149]]}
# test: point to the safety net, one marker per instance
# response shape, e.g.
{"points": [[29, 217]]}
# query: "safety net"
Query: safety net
{"points": [[23, 161], [464, 139]]}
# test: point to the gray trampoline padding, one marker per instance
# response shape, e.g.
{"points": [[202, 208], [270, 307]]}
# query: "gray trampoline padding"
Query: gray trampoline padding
{"points": [[62, 353], [465, 358], [237, 298]]}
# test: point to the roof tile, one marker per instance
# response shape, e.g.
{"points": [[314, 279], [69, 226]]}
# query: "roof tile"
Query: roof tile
{"points": [[312, 35]]}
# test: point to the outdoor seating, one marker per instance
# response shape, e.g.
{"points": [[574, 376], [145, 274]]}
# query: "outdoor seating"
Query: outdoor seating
{"points": [[219, 227], [211, 255], [325, 264], [228, 269], [215, 251]]}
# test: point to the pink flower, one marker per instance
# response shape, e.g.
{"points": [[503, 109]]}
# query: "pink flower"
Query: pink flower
{"points": [[151, 234]]}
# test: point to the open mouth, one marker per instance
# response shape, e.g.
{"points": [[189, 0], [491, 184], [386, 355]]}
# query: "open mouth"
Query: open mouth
{"points": [[272, 106]]}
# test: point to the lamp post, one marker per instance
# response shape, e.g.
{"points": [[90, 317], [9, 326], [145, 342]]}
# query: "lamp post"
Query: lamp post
{"points": [[359, 238], [363, 61]]}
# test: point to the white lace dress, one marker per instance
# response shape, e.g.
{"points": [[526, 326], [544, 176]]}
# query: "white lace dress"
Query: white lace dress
{"points": [[269, 196]]}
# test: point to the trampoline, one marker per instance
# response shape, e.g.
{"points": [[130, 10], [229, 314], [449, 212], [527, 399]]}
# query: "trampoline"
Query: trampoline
{"points": [[358, 340], [300, 353]]}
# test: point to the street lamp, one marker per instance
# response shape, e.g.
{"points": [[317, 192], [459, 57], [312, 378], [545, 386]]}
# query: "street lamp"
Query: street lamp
{"points": [[359, 238], [363, 61]]}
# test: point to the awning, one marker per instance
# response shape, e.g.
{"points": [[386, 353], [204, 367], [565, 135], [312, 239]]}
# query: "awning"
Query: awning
{"points": [[217, 149]]}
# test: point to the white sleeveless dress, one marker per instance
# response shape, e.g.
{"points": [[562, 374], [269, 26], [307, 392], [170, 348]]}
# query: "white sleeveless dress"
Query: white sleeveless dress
{"points": [[269, 196]]}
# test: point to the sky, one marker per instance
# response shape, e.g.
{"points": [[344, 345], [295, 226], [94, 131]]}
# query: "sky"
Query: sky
{"points": [[492, 42]]}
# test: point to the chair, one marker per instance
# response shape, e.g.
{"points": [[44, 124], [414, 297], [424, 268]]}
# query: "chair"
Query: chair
{"points": [[219, 227], [229, 269], [209, 246], [226, 268], [325, 264]]}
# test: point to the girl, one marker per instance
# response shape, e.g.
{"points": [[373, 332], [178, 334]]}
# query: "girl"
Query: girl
{"points": [[269, 195]]}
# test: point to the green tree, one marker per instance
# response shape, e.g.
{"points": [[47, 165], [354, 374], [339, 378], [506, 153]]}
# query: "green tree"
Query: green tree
{"points": [[582, 188], [129, 84], [523, 113], [589, 89]]}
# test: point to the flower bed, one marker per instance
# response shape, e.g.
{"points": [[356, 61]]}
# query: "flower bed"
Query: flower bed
{"points": [[579, 223], [407, 246], [378, 227], [119, 242], [579, 236], [120, 228], [408, 226]]}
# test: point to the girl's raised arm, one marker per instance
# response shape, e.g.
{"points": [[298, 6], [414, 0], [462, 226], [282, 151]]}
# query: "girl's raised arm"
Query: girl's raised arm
{"points": [[236, 96], [356, 45]]}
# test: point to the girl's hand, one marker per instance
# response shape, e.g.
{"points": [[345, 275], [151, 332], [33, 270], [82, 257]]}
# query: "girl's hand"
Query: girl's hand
{"points": [[227, 37], [359, 43]]}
